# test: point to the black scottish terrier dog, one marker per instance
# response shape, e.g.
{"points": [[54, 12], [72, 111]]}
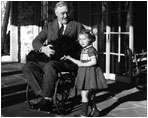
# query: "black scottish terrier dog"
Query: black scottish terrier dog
{"points": [[62, 46]]}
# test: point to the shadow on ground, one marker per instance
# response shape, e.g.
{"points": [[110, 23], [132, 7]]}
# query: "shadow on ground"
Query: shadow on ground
{"points": [[113, 89], [137, 96]]}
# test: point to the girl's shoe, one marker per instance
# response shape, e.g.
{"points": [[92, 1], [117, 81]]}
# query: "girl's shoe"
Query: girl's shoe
{"points": [[94, 113], [83, 115], [80, 115], [84, 109]]}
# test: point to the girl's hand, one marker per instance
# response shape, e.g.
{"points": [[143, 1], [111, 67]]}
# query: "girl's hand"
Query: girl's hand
{"points": [[65, 57], [77, 62], [68, 57]]}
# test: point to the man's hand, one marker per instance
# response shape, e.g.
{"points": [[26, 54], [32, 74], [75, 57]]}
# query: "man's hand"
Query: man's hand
{"points": [[48, 50]]}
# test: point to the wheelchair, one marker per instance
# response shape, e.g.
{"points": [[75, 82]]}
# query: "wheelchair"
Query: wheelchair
{"points": [[139, 64], [63, 99]]}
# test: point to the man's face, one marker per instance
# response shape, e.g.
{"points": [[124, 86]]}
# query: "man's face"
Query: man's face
{"points": [[62, 14]]}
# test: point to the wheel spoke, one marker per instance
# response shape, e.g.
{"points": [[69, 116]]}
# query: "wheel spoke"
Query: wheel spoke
{"points": [[62, 94]]}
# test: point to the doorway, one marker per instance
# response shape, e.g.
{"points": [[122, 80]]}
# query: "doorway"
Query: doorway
{"points": [[115, 35]]}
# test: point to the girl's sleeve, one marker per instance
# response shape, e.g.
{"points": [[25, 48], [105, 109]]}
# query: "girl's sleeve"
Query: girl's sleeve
{"points": [[92, 52]]}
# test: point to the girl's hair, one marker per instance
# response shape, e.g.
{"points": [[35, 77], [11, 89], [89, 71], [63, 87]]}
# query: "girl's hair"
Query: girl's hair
{"points": [[90, 35]]}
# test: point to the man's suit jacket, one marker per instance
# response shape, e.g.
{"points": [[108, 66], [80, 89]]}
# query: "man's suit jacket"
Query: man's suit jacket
{"points": [[65, 45]]}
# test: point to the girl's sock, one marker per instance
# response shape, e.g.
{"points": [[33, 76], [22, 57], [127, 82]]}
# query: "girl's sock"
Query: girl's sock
{"points": [[94, 111]]}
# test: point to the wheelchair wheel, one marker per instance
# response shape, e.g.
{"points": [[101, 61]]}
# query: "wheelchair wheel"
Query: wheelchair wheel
{"points": [[64, 94], [31, 98]]}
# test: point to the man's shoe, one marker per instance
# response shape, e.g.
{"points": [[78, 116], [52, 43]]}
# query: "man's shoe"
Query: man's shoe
{"points": [[43, 105]]}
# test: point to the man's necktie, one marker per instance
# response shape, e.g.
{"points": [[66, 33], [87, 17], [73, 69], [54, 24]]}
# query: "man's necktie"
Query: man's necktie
{"points": [[61, 30]]}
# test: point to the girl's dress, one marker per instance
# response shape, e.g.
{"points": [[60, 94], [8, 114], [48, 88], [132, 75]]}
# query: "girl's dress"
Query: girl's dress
{"points": [[90, 77]]}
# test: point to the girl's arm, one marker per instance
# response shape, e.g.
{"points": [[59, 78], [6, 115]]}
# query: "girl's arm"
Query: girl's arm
{"points": [[72, 59], [92, 62]]}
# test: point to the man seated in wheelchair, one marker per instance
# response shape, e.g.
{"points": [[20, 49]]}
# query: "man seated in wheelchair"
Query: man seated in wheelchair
{"points": [[44, 63]]}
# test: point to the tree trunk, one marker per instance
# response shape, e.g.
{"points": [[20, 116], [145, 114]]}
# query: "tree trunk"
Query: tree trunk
{"points": [[4, 25]]}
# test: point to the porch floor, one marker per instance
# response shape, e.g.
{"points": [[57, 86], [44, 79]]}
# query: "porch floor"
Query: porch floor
{"points": [[119, 100]]}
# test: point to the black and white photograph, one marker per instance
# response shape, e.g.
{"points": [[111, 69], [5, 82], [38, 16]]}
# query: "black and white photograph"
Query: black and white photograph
{"points": [[73, 58]]}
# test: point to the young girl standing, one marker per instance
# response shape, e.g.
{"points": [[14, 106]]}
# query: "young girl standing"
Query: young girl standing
{"points": [[90, 76]]}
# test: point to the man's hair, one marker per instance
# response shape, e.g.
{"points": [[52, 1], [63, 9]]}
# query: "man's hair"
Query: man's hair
{"points": [[60, 4]]}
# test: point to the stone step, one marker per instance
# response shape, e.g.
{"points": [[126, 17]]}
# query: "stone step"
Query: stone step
{"points": [[11, 69], [12, 80], [13, 84], [13, 98], [15, 93], [12, 95], [13, 89], [11, 72]]}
